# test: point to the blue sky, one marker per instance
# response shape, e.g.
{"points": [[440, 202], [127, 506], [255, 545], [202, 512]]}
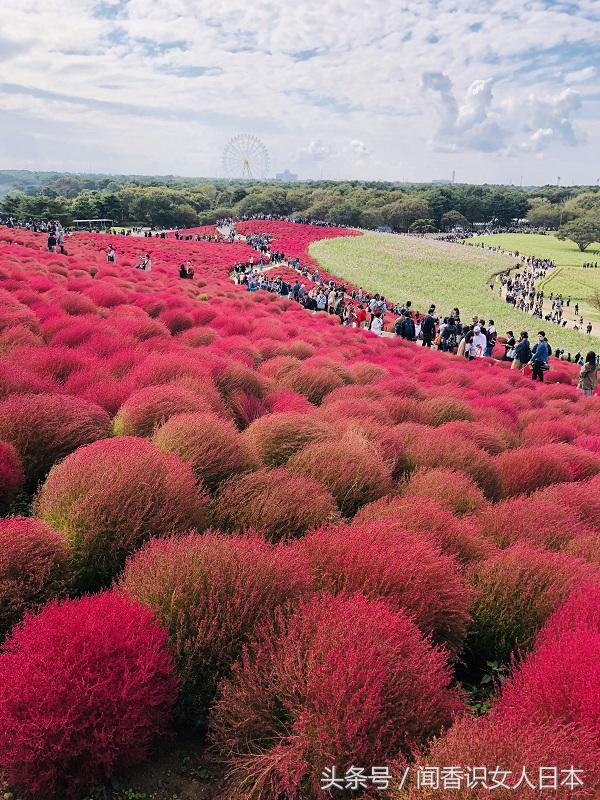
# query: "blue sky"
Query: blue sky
{"points": [[499, 91]]}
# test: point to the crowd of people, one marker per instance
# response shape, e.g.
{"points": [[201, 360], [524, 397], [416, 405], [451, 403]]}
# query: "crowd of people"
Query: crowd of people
{"points": [[360, 309]]}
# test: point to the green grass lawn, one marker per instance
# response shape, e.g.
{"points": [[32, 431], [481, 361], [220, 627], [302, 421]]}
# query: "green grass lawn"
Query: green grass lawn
{"points": [[570, 278], [428, 271]]}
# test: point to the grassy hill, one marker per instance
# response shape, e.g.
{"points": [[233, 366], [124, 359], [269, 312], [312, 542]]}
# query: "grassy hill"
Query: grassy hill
{"points": [[570, 278], [428, 271]]}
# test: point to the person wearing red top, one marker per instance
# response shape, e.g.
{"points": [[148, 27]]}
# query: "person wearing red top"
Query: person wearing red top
{"points": [[360, 316]]}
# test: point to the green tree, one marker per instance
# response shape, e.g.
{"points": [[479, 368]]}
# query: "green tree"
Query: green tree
{"points": [[453, 219], [423, 226], [545, 214], [582, 230]]}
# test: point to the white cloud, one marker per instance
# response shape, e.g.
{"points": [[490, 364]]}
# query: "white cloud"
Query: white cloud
{"points": [[359, 149], [161, 85]]}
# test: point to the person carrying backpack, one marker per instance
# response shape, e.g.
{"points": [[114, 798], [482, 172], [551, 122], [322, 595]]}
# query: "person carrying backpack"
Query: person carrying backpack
{"points": [[405, 327]]}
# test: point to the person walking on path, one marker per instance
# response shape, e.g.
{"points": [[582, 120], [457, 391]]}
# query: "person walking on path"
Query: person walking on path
{"points": [[588, 375]]}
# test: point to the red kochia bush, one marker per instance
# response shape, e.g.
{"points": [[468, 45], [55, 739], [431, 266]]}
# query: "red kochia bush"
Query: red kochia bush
{"points": [[312, 381], [558, 683], [210, 592], [438, 448], [343, 680], [148, 408], [517, 589], [213, 446], [276, 437], [87, 685], [43, 428], [274, 501], [456, 537], [529, 468], [405, 568], [34, 568], [502, 746], [351, 468], [532, 520], [11, 475], [453, 489], [108, 498]]}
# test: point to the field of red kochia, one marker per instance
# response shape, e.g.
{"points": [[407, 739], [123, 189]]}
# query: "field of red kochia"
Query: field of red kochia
{"points": [[309, 541]]}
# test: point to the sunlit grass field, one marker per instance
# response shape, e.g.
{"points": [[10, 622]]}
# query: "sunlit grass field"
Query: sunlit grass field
{"points": [[570, 278], [428, 271]]}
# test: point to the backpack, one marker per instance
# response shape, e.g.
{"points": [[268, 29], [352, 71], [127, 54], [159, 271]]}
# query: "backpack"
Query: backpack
{"points": [[399, 327]]}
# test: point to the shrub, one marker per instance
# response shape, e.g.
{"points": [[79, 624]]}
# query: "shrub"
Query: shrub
{"points": [[406, 568], [210, 592], [343, 680], [517, 589], [501, 746], [108, 498], [87, 685], [436, 448], [11, 476], [532, 520], [547, 432], [529, 468], [212, 445], [43, 428], [277, 437], [350, 468], [312, 381], [558, 682], [456, 537], [493, 440], [34, 568], [452, 489], [274, 501], [438, 410], [579, 612], [147, 409]]}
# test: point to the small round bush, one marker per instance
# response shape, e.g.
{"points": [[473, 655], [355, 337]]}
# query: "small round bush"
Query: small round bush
{"points": [[501, 746], [438, 448], [43, 428], [108, 498], [351, 468], [343, 680], [531, 520], [406, 568], [213, 446], [529, 468], [548, 432], [210, 591], [439, 410], [87, 685], [493, 440], [276, 437], [148, 408], [311, 380], [452, 489], [11, 475], [34, 568], [516, 590], [456, 536], [274, 501], [558, 682]]}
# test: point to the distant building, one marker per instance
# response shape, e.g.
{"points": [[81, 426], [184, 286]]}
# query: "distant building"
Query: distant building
{"points": [[286, 176], [442, 182]]}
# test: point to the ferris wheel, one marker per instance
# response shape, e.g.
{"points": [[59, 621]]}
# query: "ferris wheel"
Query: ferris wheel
{"points": [[246, 158]]}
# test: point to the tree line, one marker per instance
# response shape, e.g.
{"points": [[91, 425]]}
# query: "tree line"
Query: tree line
{"points": [[170, 202]]}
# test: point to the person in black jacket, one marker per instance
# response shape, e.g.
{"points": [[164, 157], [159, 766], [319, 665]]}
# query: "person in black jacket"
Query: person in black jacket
{"points": [[428, 327]]}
